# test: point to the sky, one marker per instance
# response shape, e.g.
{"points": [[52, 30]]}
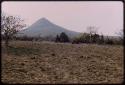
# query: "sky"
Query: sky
{"points": [[106, 16]]}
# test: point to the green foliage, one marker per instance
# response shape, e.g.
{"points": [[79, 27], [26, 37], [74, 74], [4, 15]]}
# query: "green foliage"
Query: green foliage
{"points": [[96, 39], [83, 38], [63, 37]]}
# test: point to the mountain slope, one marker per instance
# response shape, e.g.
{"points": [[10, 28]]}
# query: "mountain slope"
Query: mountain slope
{"points": [[44, 27]]}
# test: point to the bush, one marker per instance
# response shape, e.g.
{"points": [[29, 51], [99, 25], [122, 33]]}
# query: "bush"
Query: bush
{"points": [[84, 38], [62, 38]]}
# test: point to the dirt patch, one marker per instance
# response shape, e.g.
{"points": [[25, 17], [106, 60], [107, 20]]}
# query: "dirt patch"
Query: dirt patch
{"points": [[42, 63]]}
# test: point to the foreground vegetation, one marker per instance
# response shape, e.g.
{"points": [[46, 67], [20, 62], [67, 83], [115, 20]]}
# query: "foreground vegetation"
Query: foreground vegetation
{"points": [[49, 62]]}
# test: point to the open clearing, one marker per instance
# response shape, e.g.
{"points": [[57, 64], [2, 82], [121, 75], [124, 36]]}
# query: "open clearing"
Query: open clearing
{"points": [[40, 63]]}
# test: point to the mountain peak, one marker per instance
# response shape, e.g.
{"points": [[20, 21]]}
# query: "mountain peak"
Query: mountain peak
{"points": [[46, 28], [44, 19]]}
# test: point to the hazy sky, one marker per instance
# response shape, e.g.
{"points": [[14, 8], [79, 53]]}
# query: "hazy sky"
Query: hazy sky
{"points": [[107, 16]]}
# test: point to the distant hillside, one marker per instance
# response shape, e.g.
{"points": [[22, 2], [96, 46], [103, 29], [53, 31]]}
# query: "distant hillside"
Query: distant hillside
{"points": [[43, 28]]}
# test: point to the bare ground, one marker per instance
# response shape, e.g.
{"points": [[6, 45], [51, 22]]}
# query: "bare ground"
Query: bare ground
{"points": [[43, 62]]}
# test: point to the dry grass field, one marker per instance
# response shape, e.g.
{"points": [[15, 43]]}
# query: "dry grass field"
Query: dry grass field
{"points": [[44, 62]]}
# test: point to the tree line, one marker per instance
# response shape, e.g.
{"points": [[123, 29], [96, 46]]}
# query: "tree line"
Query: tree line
{"points": [[92, 37], [88, 38], [10, 25]]}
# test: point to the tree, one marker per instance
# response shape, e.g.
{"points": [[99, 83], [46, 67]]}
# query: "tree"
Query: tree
{"points": [[10, 25], [95, 38], [91, 30], [101, 39], [57, 38], [109, 41], [64, 37], [120, 34], [83, 38]]}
